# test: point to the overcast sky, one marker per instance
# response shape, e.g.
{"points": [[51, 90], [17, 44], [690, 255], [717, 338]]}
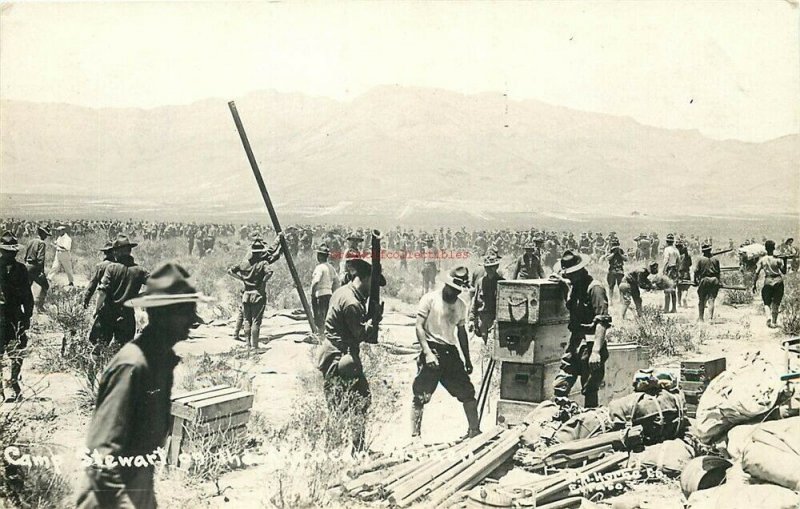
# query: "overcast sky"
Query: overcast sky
{"points": [[730, 69]]}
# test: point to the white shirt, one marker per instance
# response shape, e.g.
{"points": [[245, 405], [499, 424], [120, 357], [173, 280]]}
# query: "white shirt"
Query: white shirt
{"points": [[671, 255], [64, 243], [441, 318], [323, 280]]}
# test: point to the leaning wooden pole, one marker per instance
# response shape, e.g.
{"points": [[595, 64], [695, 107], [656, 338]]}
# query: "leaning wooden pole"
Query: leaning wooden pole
{"points": [[273, 216]]}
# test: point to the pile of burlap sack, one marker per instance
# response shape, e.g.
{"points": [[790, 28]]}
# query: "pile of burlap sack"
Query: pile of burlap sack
{"points": [[745, 416], [741, 451]]}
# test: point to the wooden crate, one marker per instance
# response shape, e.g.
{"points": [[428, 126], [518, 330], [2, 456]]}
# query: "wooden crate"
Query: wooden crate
{"points": [[511, 413], [531, 344], [534, 382], [695, 377], [533, 301], [218, 410]]}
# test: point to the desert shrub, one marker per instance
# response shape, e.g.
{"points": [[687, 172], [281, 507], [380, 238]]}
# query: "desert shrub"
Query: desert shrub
{"points": [[790, 307], [312, 449], [38, 486], [210, 370], [662, 335], [737, 297], [212, 454]]}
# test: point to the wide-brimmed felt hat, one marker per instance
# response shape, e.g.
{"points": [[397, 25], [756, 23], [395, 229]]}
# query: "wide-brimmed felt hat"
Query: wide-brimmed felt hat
{"points": [[705, 247], [323, 249], [60, 228], [45, 230], [355, 237], [123, 241], [458, 278], [491, 260], [670, 237], [529, 245], [615, 243], [538, 238], [258, 246], [570, 262], [367, 263], [167, 285], [108, 246], [8, 242]]}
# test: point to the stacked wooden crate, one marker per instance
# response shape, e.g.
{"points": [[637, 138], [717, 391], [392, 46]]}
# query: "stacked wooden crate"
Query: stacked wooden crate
{"points": [[695, 377], [218, 410], [531, 335]]}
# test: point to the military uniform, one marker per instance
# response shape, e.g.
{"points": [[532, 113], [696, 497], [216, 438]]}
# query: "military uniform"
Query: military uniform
{"points": [[16, 309], [34, 262], [122, 280]]}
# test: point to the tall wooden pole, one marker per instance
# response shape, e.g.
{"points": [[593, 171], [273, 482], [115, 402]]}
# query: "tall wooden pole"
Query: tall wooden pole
{"points": [[273, 216]]}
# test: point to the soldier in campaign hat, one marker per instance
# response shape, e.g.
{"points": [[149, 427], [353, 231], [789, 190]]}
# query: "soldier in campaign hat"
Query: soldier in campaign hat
{"points": [[338, 356], [441, 331], [707, 278], [529, 264], [16, 309], [483, 310], [132, 412], [121, 281], [35, 253], [97, 330], [670, 270], [324, 281], [586, 352]]}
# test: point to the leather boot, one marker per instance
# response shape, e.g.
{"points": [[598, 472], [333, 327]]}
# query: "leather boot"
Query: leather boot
{"points": [[471, 411], [416, 420]]}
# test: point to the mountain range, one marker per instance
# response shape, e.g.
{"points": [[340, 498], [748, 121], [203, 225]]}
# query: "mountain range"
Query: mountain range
{"points": [[397, 152]]}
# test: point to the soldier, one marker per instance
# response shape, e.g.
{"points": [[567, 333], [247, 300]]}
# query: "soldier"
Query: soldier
{"points": [[121, 281], [97, 333], [353, 252], [529, 265], [585, 246], [338, 357], [440, 325], [16, 309], [63, 258], [616, 259], [707, 278], [35, 254], [430, 268], [483, 311], [403, 248], [654, 243], [132, 413], [254, 273], [643, 247], [631, 286], [670, 269], [586, 353], [684, 273], [324, 281], [772, 292]]}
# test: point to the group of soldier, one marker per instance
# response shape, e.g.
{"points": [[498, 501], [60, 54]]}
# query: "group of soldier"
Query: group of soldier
{"points": [[134, 392]]}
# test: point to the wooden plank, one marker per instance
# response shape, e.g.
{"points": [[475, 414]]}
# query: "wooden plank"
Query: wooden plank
{"points": [[223, 423], [193, 411], [175, 440], [207, 395], [198, 391], [226, 407]]}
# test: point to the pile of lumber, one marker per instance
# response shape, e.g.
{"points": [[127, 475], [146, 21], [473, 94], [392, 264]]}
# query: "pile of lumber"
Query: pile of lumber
{"points": [[438, 473], [442, 475]]}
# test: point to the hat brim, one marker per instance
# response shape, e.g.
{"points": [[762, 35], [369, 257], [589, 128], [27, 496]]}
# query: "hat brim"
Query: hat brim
{"points": [[11, 247], [452, 284], [151, 301], [129, 244], [584, 261], [105, 249], [491, 264]]}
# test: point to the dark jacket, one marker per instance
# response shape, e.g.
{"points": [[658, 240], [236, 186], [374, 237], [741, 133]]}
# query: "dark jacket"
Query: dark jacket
{"points": [[131, 417], [122, 280], [16, 299], [97, 277], [346, 326]]}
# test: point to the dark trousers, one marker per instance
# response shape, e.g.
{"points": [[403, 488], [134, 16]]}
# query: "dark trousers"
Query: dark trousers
{"points": [[36, 274], [575, 365], [13, 343], [349, 398], [320, 309], [113, 323], [450, 373], [614, 279], [252, 315]]}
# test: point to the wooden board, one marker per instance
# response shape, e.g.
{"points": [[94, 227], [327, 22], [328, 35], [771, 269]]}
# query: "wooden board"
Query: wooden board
{"points": [[201, 408], [511, 413], [702, 370], [531, 344], [532, 301]]}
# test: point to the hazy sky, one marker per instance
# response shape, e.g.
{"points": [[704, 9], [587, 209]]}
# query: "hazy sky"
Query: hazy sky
{"points": [[730, 69]]}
